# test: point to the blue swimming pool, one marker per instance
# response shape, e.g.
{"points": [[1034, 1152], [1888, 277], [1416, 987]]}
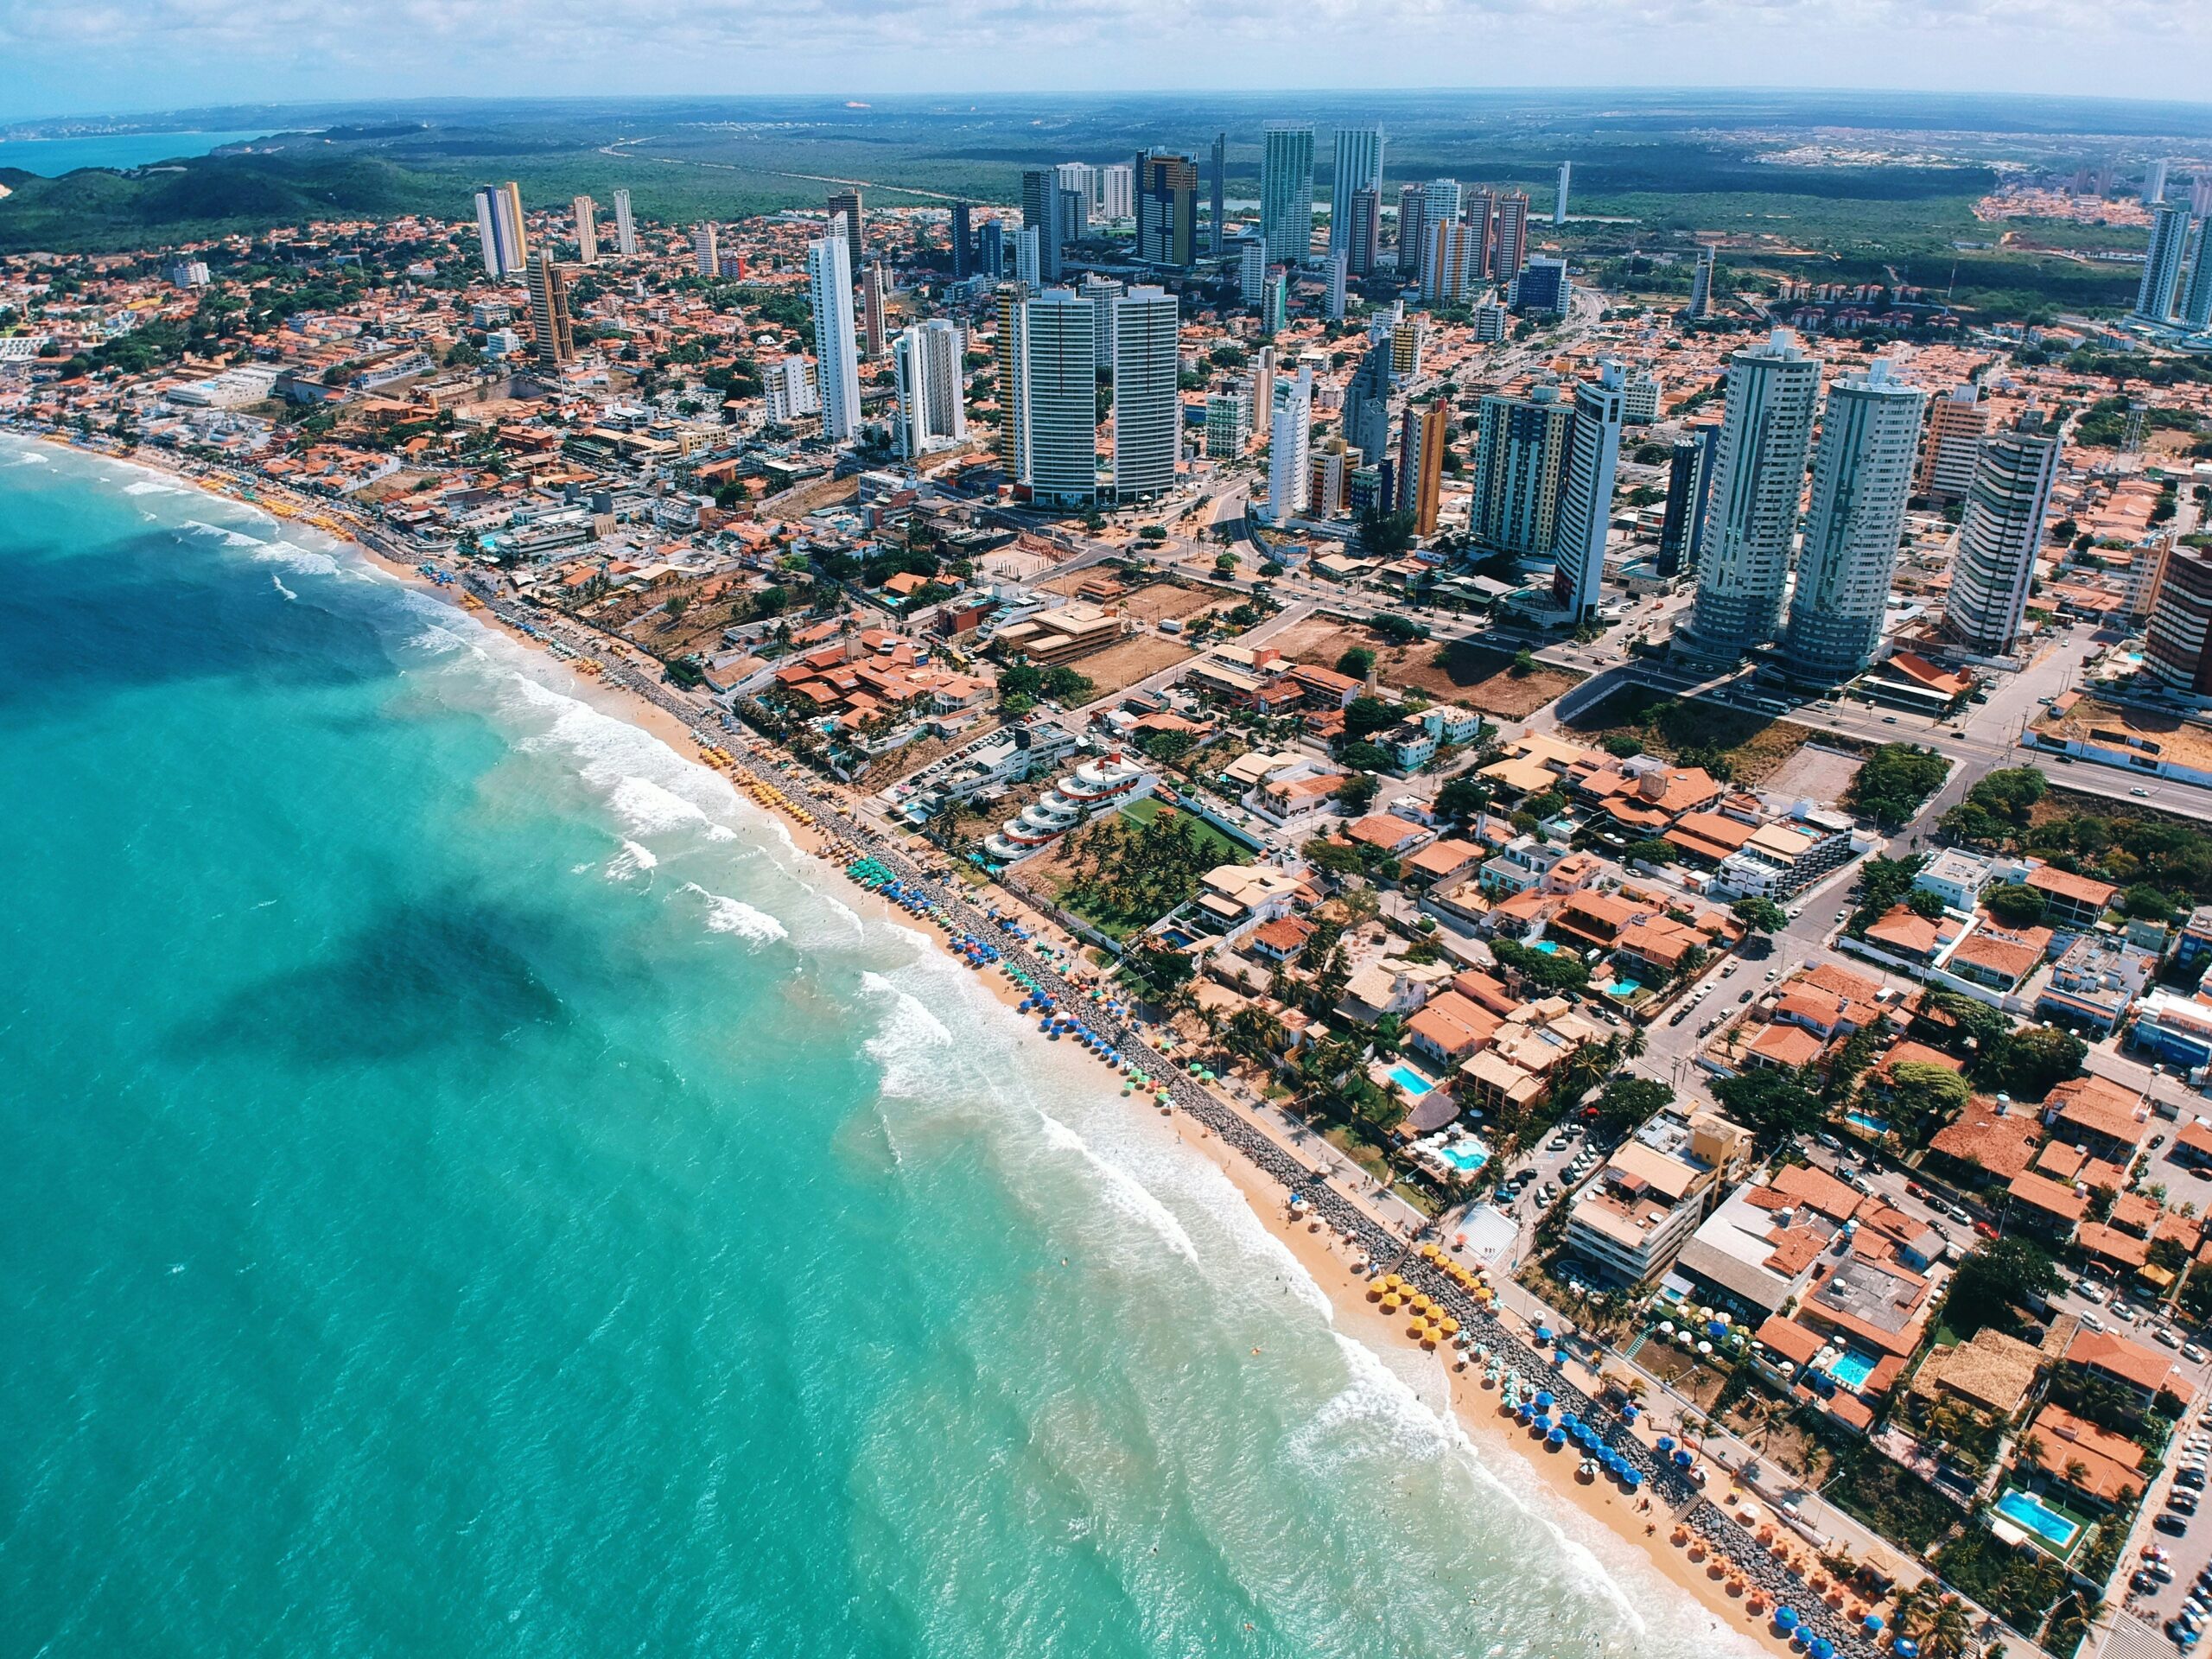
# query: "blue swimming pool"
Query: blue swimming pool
{"points": [[1410, 1080], [1465, 1158], [1854, 1368], [2037, 1517], [1547, 946], [1872, 1125]]}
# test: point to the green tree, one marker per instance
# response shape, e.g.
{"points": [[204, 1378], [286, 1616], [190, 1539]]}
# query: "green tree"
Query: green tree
{"points": [[1760, 915], [2028, 1063], [1384, 535], [1992, 1284], [1462, 798], [1628, 1100], [1356, 793], [1774, 1105], [1895, 780], [1365, 715], [1355, 663], [2014, 904]]}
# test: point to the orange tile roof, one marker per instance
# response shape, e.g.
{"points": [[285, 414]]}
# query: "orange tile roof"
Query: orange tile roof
{"points": [[2131, 1362]]}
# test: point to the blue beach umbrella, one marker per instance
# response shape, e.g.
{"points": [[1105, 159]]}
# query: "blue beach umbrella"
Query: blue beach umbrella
{"points": [[1785, 1618], [1682, 1459], [1873, 1624], [1544, 1400], [1666, 1442], [1557, 1437]]}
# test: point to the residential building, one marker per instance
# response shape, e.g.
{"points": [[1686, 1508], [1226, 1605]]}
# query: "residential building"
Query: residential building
{"points": [[1427, 431], [2178, 644], [2095, 985], [706, 257], [1641, 405], [1216, 231], [2154, 181], [586, 218], [932, 401], [1229, 423], [1412, 227], [1340, 267], [1510, 243], [2000, 535], [1408, 339], [964, 244], [548, 312], [2196, 301], [874, 328], [1585, 506], [1117, 194], [1251, 272], [1041, 211], [626, 227], [1148, 410], [1521, 455], [1286, 192], [1358, 166], [1759, 475], [501, 230], [1957, 877], [1289, 462], [1444, 261], [1681, 524], [2162, 265], [1274, 303], [1630, 1223], [848, 202], [790, 386], [1367, 404], [990, 250], [837, 349], [1167, 209], [1862, 480], [1488, 324], [1956, 424], [1059, 398], [1364, 232], [1102, 292], [1559, 196], [2140, 1373], [1700, 305]]}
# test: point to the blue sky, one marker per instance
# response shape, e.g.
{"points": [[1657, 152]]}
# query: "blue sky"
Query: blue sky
{"points": [[62, 56]]}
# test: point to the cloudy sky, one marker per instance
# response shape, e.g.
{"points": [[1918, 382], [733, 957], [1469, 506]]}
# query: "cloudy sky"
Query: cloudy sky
{"points": [[62, 56]]}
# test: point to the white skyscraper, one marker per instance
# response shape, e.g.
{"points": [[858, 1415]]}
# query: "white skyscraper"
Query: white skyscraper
{"points": [[1251, 272], [500, 228], [1340, 266], [1700, 305], [1287, 192], [1862, 478], [2154, 182], [1559, 197], [1060, 396], [1439, 202], [1585, 506], [706, 257], [932, 400], [2154, 300], [1999, 535], [1759, 475], [1102, 292], [586, 215], [1290, 450], [2197, 303], [626, 229], [1117, 192], [1148, 410], [1028, 255], [791, 389], [836, 346], [1358, 166]]}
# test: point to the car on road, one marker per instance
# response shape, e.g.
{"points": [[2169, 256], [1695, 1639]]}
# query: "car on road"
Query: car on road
{"points": [[1913, 1189], [1889, 720], [2088, 1287], [2140, 791], [1746, 996], [1985, 1229], [1829, 1141], [2124, 1313], [2183, 1501], [2165, 1337], [2194, 1354]]}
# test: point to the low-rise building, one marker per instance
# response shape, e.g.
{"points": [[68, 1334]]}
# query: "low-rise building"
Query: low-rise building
{"points": [[2140, 1373], [1632, 1221], [2095, 985]]}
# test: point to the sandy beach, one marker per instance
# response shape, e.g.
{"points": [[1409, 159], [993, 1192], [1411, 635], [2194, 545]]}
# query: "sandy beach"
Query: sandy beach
{"points": [[1647, 1529]]}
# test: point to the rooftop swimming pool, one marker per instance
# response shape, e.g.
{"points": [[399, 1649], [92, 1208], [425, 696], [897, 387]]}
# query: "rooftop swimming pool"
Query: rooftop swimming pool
{"points": [[1410, 1080], [2037, 1517]]}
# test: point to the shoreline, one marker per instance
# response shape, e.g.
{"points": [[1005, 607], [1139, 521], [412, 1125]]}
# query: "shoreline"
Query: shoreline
{"points": [[1278, 1183]]}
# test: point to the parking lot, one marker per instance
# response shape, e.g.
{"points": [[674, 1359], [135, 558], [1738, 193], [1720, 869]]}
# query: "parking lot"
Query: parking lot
{"points": [[2175, 1592]]}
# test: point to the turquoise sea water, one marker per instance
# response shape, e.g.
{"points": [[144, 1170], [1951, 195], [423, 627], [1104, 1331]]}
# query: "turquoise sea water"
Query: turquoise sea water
{"points": [[472, 1190], [51, 158]]}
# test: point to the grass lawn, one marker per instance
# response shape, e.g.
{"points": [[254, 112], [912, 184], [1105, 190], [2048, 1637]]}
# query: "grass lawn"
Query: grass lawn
{"points": [[1152, 806]]}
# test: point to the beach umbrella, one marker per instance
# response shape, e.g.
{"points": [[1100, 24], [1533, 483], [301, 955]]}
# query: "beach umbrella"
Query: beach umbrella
{"points": [[1543, 1400], [1666, 1442], [1823, 1649], [1544, 1333], [1667, 1327], [1905, 1648], [1682, 1459], [1785, 1618], [1557, 1437], [1873, 1624], [1705, 1347]]}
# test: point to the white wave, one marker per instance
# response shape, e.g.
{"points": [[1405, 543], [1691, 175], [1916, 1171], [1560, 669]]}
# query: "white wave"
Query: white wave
{"points": [[650, 807], [913, 1043], [281, 588], [293, 556], [632, 860], [728, 915], [1123, 1190], [438, 640], [852, 917], [228, 537], [1376, 1413], [33, 458], [153, 486]]}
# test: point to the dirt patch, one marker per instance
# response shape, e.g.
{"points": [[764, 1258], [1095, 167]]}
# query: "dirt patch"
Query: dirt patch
{"points": [[1131, 659], [1815, 773], [1163, 600], [1456, 672], [1751, 746]]}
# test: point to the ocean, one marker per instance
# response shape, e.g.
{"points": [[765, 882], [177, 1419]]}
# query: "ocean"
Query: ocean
{"points": [[52, 157], [474, 1189]]}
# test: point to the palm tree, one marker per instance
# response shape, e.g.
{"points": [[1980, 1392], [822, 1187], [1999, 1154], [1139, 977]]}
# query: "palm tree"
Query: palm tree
{"points": [[1632, 1045], [1948, 1631]]}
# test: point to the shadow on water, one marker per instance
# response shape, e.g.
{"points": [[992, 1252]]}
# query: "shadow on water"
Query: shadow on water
{"points": [[425, 974]]}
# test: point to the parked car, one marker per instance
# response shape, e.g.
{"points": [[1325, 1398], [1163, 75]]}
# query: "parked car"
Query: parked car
{"points": [[2169, 1521], [2184, 1501], [1829, 1141], [2196, 1356], [1985, 1229], [1914, 1189], [2090, 1287], [2166, 1337], [2124, 1313]]}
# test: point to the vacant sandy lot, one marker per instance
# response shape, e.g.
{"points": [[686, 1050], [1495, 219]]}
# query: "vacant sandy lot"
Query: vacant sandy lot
{"points": [[1473, 675], [1815, 773], [1129, 660]]}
